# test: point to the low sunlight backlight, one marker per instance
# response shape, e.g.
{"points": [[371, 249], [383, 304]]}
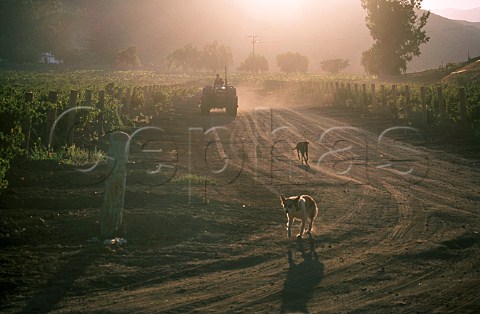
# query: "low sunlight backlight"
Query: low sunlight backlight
{"points": [[273, 8]]}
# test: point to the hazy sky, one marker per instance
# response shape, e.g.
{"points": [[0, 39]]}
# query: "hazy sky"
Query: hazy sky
{"points": [[447, 4]]}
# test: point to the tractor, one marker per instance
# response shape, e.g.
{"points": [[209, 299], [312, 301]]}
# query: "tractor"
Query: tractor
{"points": [[219, 97]]}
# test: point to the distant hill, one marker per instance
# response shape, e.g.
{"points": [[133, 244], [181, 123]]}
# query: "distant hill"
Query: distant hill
{"points": [[325, 29], [467, 73], [451, 41], [471, 15], [454, 74]]}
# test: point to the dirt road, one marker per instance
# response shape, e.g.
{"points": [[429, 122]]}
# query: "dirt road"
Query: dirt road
{"points": [[398, 227]]}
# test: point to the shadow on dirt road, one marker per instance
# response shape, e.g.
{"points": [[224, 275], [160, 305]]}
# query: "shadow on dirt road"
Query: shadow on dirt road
{"points": [[302, 278], [58, 286]]}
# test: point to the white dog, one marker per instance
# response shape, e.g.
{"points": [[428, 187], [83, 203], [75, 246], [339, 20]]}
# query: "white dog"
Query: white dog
{"points": [[301, 207]]}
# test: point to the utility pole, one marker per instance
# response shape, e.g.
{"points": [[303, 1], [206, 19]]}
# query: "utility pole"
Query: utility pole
{"points": [[254, 40]]}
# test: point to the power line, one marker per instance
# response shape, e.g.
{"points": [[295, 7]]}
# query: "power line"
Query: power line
{"points": [[254, 41], [310, 40]]}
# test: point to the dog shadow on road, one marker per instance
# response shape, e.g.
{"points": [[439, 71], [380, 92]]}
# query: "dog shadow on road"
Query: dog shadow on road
{"points": [[307, 168], [302, 278]]}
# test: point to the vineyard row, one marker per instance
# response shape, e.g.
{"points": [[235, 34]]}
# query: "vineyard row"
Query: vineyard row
{"points": [[446, 106]]}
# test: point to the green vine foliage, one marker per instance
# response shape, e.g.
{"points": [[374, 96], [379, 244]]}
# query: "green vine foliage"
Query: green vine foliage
{"points": [[19, 117]]}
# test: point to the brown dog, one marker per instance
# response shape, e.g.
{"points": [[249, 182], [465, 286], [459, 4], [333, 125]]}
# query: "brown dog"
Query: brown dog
{"points": [[301, 207], [302, 148]]}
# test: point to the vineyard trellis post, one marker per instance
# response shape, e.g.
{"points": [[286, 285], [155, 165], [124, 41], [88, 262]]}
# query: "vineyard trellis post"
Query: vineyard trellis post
{"points": [[27, 122], [374, 97], [145, 94], [128, 96], [120, 94], [364, 98], [88, 97], [72, 103], [133, 97], [336, 93], [349, 95], [424, 104], [441, 104], [101, 107], [463, 107], [112, 95], [111, 217], [383, 99], [407, 102], [149, 100], [357, 96], [394, 107], [87, 102], [417, 107], [51, 117]]}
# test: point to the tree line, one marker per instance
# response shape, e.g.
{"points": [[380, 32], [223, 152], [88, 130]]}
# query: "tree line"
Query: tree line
{"points": [[30, 27]]}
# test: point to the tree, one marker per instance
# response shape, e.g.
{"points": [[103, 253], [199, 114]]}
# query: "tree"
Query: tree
{"points": [[128, 58], [334, 65], [397, 32], [213, 57], [254, 63], [216, 56], [290, 62], [28, 28], [187, 58]]}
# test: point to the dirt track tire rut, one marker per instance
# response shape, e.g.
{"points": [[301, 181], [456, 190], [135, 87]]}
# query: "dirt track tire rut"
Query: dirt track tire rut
{"points": [[385, 240]]}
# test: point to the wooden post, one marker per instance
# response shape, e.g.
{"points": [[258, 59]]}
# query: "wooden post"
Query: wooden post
{"points": [[88, 97], [112, 95], [72, 103], [424, 104], [120, 94], [128, 96], [113, 200], [364, 98], [121, 100], [395, 100], [347, 86], [441, 104], [384, 98], [126, 105], [336, 93], [417, 108], [27, 122], [407, 102], [101, 107], [145, 96], [134, 98], [374, 97], [463, 107], [355, 96], [87, 127], [150, 95], [51, 117]]}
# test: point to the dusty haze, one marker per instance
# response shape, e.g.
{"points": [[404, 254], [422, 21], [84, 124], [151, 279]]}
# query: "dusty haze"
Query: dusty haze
{"points": [[320, 30]]}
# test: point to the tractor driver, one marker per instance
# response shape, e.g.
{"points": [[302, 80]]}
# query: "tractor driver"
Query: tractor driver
{"points": [[218, 81]]}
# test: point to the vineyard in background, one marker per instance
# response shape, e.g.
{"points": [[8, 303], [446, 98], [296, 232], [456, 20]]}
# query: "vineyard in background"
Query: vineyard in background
{"points": [[100, 102], [90, 104], [451, 108]]}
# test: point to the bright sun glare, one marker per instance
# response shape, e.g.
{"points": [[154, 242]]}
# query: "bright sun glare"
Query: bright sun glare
{"points": [[273, 8]]}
